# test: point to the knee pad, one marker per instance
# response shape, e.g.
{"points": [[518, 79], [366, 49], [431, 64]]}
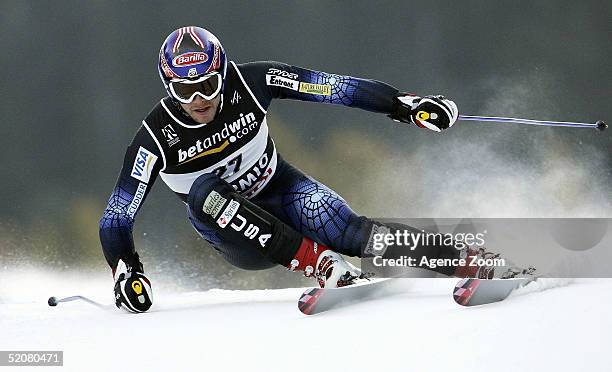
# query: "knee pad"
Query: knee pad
{"points": [[239, 221]]}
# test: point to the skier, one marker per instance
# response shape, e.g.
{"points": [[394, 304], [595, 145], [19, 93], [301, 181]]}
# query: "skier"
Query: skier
{"points": [[208, 141]]}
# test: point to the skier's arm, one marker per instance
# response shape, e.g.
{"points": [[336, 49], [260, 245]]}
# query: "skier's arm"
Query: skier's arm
{"points": [[279, 80], [270, 80], [141, 166]]}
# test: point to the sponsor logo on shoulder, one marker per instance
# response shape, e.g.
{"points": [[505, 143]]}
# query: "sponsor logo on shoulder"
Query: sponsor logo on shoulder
{"points": [[170, 134], [213, 203], [189, 59], [279, 81], [285, 74], [228, 214], [317, 89], [143, 165]]}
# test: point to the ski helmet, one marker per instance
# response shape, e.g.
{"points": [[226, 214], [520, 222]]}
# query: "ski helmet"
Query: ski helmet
{"points": [[188, 54]]}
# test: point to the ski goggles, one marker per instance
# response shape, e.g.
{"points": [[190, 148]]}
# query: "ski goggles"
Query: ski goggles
{"points": [[207, 87]]}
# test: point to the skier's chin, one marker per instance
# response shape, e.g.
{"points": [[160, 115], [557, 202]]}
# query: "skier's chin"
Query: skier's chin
{"points": [[202, 115]]}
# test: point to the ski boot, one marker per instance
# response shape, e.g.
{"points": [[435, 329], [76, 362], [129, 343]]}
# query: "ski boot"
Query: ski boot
{"points": [[332, 271]]}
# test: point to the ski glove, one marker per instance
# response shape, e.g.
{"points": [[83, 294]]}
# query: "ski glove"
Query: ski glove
{"points": [[432, 112], [132, 288]]}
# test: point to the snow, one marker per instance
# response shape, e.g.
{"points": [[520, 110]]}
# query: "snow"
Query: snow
{"points": [[563, 327]]}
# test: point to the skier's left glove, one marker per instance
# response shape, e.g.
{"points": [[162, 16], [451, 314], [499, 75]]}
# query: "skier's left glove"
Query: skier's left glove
{"points": [[432, 112], [132, 288]]}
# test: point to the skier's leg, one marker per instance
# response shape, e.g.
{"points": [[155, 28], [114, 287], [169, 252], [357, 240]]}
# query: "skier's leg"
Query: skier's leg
{"points": [[237, 227], [248, 259], [321, 214], [246, 235], [313, 209]]}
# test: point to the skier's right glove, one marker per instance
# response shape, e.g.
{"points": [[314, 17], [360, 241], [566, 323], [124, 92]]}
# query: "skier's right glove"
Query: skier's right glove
{"points": [[132, 288], [432, 112]]}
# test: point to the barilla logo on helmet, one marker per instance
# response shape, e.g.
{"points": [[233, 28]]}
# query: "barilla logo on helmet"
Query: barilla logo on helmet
{"points": [[189, 59]]}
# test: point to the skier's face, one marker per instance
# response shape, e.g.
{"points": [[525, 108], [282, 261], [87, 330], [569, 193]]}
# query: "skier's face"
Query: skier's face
{"points": [[201, 110]]}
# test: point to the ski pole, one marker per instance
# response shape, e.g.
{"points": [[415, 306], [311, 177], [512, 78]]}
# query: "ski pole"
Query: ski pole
{"points": [[600, 125], [53, 301]]}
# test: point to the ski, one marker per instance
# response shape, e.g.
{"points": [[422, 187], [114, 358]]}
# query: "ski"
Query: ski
{"points": [[468, 292], [474, 292], [317, 300]]}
